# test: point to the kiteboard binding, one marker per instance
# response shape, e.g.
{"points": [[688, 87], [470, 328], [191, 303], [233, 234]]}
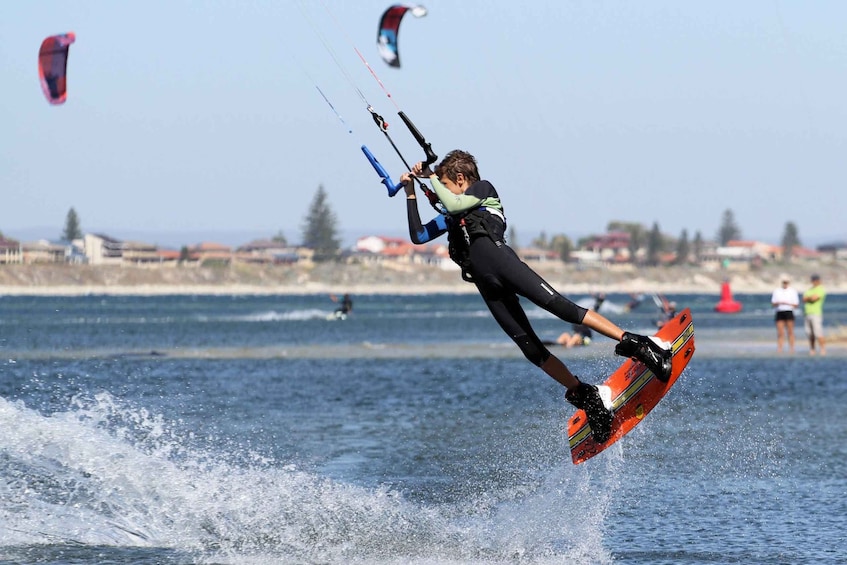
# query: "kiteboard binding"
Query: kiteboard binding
{"points": [[650, 350], [596, 402], [634, 390]]}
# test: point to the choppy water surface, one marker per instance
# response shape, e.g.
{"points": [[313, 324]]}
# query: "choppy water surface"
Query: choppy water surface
{"points": [[253, 430]]}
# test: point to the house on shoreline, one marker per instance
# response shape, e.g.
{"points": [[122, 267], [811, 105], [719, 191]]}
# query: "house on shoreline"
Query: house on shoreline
{"points": [[610, 251]]}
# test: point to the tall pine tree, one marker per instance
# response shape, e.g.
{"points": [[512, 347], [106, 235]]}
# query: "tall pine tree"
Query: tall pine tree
{"points": [[698, 246], [790, 240], [683, 248], [320, 232], [729, 229], [655, 245], [562, 245], [72, 230]]}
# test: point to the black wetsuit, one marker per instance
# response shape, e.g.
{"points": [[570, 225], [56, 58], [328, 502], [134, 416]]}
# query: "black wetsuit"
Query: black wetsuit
{"points": [[346, 305], [495, 269]]}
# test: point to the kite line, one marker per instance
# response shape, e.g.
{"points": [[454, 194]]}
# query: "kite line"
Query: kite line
{"points": [[381, 123]]}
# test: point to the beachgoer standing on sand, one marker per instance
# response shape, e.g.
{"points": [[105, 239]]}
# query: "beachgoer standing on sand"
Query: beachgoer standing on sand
{"points": [[813, 300], [784, 300]]}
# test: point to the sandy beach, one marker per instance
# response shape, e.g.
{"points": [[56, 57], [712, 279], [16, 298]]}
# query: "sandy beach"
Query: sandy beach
{"points": [[71, 280]]}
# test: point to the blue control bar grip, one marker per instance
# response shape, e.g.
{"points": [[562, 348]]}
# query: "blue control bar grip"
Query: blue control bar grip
{"points": [[383, 174]]}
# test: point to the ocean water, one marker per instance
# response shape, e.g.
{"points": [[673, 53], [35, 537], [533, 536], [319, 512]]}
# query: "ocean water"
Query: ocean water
{"points": [[253, 430]]}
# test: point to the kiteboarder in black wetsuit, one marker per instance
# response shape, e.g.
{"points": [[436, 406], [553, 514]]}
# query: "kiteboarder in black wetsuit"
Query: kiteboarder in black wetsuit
{"points": [[475, 225], [344, 306]]}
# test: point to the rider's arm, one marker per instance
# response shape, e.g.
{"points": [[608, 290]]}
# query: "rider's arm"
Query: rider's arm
{"points": [[423, 233], [453, 203]]}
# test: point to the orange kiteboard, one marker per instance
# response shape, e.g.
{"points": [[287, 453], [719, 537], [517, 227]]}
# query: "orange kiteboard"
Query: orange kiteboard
{"points": [[635, 391]]}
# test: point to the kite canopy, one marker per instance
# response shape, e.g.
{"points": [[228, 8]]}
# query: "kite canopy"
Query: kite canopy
{"points": [[389, 27], [53, 66]]}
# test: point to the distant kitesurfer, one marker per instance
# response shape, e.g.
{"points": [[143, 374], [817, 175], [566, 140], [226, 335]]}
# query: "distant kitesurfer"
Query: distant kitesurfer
{"points": [[475, 225], [345, 305], [667, 310], [635, 302], [599, 299]]}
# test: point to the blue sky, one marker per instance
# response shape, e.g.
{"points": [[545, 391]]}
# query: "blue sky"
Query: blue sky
{"points": [[201, 119]]}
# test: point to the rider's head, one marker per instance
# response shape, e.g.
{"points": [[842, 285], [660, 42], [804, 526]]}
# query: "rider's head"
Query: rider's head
{"points": [[458, 162]]}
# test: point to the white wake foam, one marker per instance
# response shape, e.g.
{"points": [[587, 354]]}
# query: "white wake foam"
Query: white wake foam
{"points": [[103, 473]]}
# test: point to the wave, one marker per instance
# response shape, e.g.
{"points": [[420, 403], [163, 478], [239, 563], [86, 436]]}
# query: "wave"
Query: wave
{"points": [[104, 473], [274, 316]]}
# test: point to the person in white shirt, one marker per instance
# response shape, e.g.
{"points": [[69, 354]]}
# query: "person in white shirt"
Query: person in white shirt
{"points": [[784, 300]]}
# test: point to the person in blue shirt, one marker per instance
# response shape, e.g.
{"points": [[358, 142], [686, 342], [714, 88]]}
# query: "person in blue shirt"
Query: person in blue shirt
{"points": [[475, 223]]}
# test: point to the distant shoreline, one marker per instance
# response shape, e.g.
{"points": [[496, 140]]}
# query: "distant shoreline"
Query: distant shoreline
{"points": [[387, 278], [227, 290]]}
